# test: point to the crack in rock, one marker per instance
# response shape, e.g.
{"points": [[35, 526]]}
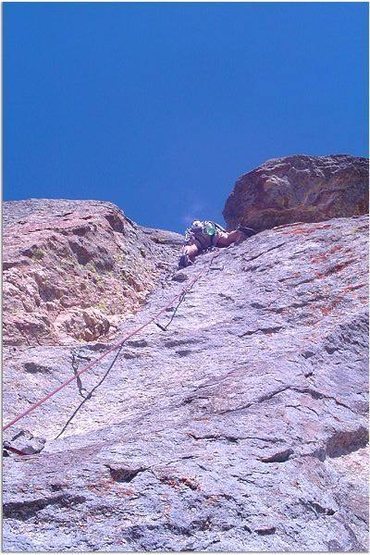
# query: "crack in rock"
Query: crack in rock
{"points": [[280, 456], [268, 331], [25, 510], [317, 508], [124, 474]]}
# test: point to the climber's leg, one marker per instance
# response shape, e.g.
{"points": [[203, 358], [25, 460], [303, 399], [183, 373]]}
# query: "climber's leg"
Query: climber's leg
{"points": [[189, 252]]}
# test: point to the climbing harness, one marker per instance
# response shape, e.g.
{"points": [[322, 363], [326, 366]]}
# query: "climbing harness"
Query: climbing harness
{"points": [[203, 234], [118, 345]]}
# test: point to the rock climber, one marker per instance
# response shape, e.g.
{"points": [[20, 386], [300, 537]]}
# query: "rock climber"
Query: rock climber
{"points": [[202, 235]]}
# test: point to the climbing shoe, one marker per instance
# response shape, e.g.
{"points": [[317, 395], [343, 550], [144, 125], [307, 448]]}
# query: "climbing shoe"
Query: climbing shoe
{"points": [[248, 231], [184, 261]]}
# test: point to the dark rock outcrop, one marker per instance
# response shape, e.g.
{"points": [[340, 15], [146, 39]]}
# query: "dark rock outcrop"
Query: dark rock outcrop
{"points": [[243, 427], [299, 189], [74, 269]]}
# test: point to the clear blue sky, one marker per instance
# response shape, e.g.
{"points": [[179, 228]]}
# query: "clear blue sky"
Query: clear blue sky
{"points": [[160, 107]]}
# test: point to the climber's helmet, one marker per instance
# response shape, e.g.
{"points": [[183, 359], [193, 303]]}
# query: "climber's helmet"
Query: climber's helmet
{"points": [[197, 225]]}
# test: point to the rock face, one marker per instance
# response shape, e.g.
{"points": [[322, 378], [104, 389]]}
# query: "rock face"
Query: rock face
{"points": [[299, 189], [243, 427], [73, 269]]}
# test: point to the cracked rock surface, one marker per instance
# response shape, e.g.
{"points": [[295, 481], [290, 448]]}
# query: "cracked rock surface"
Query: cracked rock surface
{"points": [[243, 427]]}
